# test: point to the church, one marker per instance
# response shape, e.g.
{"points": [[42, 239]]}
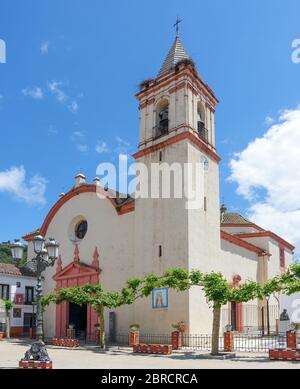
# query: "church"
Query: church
{"points": [[111, 239]]}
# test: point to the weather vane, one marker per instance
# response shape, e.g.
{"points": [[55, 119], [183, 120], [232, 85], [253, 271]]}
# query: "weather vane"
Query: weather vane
{"points": [[178, 21]]}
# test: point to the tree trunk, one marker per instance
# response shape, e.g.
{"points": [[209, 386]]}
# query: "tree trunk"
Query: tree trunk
{"points": [[100, 313], [216, 330], [7, 325]]}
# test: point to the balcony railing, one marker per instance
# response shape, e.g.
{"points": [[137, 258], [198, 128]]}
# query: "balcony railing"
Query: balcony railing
{"points": [[203, 132], [162, 128]]}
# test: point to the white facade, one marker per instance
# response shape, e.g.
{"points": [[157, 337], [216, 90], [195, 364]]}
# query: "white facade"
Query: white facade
{"points": [[17, 294], [150, 235]]}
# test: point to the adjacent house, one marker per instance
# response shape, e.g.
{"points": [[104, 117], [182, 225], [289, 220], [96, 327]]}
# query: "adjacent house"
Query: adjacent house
{"points": [[18, 285]]}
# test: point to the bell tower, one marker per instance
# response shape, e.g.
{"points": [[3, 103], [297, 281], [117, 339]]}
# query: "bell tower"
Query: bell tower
{"points": [[177, 101], [177, 126]]}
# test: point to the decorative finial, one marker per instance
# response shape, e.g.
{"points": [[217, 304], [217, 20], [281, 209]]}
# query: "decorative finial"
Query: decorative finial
{"points": [[96, 258], [178, 21], [76, 253]]}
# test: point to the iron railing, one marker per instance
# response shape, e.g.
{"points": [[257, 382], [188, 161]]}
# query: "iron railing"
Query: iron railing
{"points": [[202, 131], [242, 343], [161, 129]]}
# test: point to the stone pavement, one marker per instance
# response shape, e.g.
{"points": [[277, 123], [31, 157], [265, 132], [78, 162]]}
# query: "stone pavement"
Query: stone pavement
{"points": [[91, 357]]}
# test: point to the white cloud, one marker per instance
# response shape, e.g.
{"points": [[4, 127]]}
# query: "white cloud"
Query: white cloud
{"points": [[82, 147], [269, 120], [78, 137], [56, 89], [101, 147], [73, 106], [30, 191], [268, 176], [44, 47], [35, 92], [122, 146]]}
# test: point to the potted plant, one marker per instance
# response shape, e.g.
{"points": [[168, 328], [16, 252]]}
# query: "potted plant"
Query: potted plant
{"points": [[134, 336], [180, 327], [228, 328], [134, 327]]}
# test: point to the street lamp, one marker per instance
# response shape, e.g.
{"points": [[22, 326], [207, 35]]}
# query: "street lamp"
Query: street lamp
{"points": [[17, 250], [46, 255]]}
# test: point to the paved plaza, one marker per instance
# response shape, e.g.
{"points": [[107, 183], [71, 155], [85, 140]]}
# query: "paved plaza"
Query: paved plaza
{"points": [[91, 357]]}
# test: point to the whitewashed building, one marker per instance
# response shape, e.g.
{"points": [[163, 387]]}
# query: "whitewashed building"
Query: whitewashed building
{"points": [[122, 238], [18, 285]]}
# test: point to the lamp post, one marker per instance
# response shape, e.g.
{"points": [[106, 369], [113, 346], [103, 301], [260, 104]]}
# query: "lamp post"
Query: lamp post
{"points": [[46, 255]]}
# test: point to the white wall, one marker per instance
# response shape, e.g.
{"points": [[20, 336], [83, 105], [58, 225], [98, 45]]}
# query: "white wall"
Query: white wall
{"points": [[12, 282]]}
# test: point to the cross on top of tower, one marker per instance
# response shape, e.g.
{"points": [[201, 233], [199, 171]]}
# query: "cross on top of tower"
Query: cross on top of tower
{"points": [[176, 25]]}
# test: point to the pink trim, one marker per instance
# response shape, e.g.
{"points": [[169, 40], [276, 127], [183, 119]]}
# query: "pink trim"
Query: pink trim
{"points": [[267, 234], [75, 274], [121, 210], [234, 239]]}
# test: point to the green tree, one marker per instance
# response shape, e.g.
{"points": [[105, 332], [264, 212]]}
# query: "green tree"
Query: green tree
{"points": [[8, 304], [217, 289], [97, 297], [5, 254]]}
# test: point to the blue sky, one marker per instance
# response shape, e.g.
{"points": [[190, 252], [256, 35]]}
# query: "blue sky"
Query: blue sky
{"points": [[73, 68]]}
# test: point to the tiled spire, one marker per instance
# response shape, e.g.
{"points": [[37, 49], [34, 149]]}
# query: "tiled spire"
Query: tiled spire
{"points": [[176, 54]]}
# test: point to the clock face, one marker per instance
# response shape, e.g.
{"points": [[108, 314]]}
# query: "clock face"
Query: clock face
{"points": [[205, 163]]}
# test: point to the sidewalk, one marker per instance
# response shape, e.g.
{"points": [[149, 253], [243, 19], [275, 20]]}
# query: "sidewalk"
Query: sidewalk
{"points": [[91, 357]]}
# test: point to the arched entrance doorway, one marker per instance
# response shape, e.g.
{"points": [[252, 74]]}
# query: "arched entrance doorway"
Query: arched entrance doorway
{"points": [[84, 318]]}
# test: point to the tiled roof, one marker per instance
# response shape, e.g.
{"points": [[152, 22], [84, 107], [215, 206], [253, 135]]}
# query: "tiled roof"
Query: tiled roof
{"points": [[234, 218], [12, 270], [176, 54]]}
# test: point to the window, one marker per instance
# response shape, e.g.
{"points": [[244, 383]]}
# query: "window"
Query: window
{"points": [[282, 257], [17, 313], [81, 229], [205, 204], [4, 292], [202, 131], [160, 156], [18, 284], [29, 295], [160, 251], [162, 118]]}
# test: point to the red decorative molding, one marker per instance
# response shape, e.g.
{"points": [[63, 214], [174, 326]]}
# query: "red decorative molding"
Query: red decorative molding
{"points": [[178, 138], [238, 225], [147, 103], [267, 234], [241, 243], [178, 87], [73, 193], [167, 79]]}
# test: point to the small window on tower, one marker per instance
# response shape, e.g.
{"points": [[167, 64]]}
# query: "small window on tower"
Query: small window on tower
{"points": [[160, 251], [205, 204], [160, 156]]}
